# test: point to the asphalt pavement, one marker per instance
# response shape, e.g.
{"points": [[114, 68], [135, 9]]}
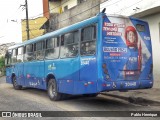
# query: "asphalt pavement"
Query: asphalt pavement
{"points": [[37, 100], [142, 96]]}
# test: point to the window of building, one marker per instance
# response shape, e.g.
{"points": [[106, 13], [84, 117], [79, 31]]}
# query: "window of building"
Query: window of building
{"points": [[69, 44], [88, 40], [66, 8], [80, 1], [52, 48]]}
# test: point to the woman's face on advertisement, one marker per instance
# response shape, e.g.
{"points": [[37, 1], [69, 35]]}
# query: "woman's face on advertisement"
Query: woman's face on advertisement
{"points": [[131, 36]]}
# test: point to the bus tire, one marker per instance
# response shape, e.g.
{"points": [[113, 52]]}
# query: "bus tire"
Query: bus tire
{"points": [[15, 85], [53, 94]]}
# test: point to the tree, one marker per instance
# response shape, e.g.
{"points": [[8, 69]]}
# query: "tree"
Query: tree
{"points": [[2, 64]]}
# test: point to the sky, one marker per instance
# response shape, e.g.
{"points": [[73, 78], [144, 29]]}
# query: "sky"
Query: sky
{"points": [[11, 14]]}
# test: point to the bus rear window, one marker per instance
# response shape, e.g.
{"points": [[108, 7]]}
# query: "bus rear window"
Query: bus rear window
{"points": [[140, 28]]}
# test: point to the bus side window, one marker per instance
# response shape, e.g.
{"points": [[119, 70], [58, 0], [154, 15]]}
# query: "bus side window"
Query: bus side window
{"points": [[20, 54], [14, 56], [69, 44], [29, 54], [52, 48], [39, 52], [8, 57], [88, 41]]}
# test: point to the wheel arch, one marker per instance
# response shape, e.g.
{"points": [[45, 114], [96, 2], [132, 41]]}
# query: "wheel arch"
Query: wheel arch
{"points": [[50, 76], [13, 75]]}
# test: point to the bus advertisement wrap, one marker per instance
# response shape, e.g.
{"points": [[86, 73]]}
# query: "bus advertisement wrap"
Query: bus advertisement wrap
{"points": [[126, 52]]}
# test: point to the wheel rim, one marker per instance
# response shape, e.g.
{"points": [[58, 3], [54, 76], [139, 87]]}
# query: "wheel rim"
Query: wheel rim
{"points": [[52, 90]]}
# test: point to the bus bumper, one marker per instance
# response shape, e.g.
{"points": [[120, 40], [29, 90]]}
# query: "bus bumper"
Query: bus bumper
{"points": [[125, 85]]}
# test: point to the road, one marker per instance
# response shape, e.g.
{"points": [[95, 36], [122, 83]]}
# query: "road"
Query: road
{"points": [[37, 100]]}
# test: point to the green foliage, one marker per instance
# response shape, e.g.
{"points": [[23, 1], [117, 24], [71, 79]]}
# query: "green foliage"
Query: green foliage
{"points": [[2, 62], [2, 66]]}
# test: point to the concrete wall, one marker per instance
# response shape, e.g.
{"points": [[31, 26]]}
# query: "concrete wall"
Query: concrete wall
{"points": [[69, 3], [70, 16], [58, 6], [154, 24], [54, 7]]}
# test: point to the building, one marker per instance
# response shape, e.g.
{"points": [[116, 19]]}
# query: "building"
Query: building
{"points": [[67, 12], [37, 25], [60, 6], [152, 16]]}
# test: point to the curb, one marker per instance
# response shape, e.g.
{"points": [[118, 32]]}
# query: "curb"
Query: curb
{"points": [[135, 100]]}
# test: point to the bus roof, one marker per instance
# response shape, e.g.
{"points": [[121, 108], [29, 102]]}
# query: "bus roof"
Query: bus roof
{"points": [[69, 29]]}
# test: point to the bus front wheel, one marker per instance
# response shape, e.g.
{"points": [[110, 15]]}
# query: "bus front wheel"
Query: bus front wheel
{"points": [[15, 85], [52, 90]]}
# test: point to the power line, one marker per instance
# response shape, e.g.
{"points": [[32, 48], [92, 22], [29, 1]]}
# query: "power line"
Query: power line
{"points": [[81, 12], [129, 6], [33, 29], [87, 10], [15, 11], [50, 9], [110, 4], [31, 33]]}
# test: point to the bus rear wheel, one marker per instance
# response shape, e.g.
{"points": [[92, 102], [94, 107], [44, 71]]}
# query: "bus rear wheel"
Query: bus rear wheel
{"points": [[15, 85], [52, 90]]}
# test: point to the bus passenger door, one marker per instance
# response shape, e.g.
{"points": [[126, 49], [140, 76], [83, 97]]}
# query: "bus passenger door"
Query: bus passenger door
{"points": [[34, 65]]}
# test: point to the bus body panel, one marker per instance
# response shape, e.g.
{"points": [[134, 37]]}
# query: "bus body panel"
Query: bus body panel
{"points": [[88, 75], [8, 75], [34, 74], [65, 71], [19, 69]]}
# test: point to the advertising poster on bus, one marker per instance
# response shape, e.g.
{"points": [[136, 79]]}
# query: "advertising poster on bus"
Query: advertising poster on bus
{"points": [[126, 49]]}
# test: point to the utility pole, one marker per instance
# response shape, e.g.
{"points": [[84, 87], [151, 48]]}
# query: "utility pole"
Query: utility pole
{"points": [[27, 22]]}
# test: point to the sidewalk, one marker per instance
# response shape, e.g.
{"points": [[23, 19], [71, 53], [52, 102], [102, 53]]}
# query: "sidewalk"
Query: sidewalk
{"points": [[141, 96]]}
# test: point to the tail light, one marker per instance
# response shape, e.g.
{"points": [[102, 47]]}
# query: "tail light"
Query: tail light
{"points": [[105, 71], [151, 71], [104, 66]]}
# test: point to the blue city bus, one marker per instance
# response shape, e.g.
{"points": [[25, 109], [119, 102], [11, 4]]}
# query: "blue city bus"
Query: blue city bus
{"points": [[102, 53]]}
